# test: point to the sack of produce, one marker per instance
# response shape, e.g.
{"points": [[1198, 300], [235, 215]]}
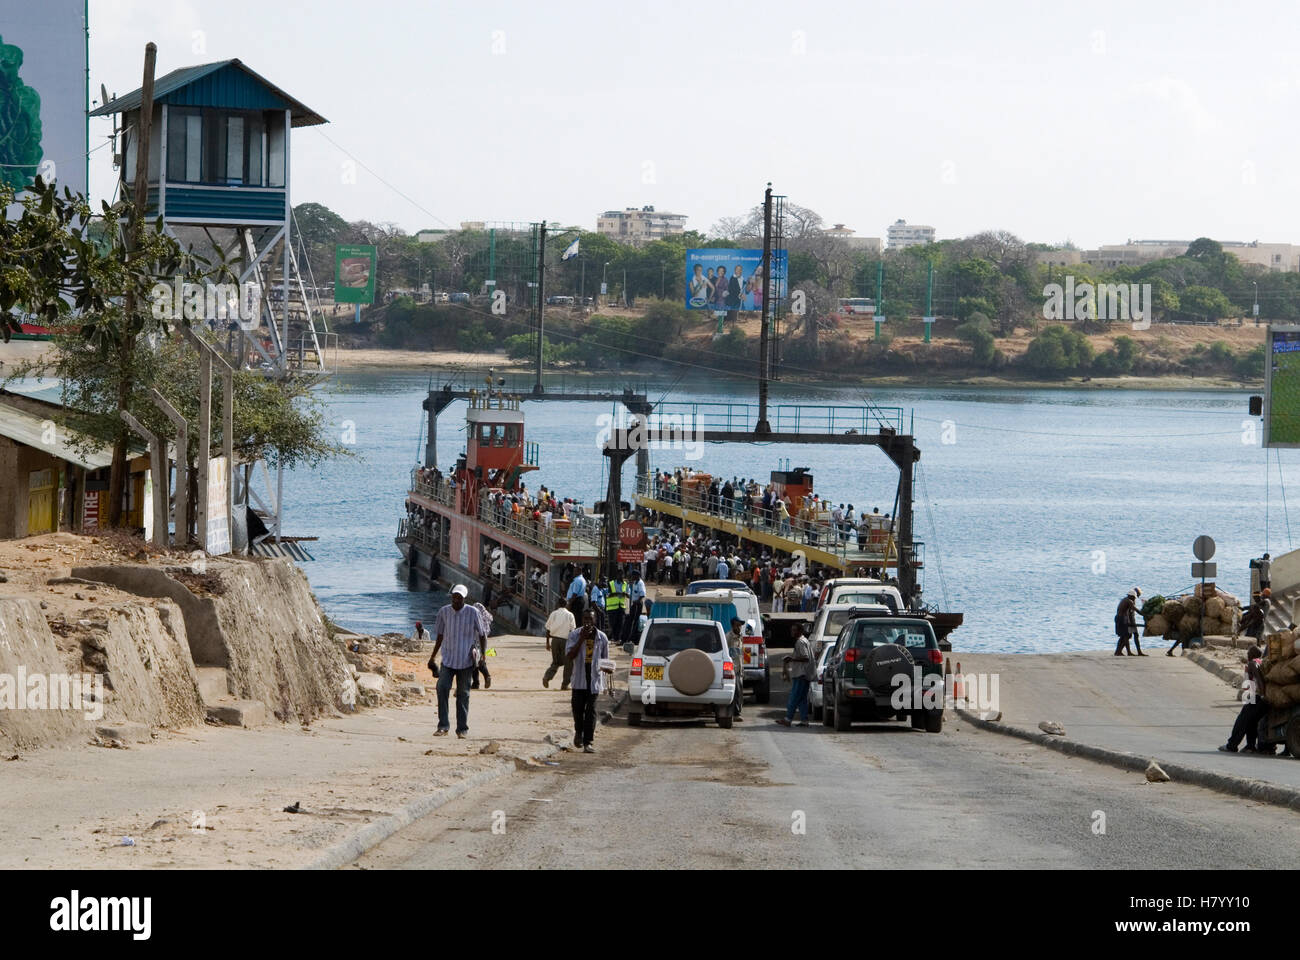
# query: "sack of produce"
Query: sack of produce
{"points": [[1172, 611], [1214, 608], [1189, 626], [1157, 626], [1192, 605]]}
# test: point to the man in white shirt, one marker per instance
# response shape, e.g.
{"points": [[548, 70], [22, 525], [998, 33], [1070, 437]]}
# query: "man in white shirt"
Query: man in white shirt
{"points": [[559, 625]]}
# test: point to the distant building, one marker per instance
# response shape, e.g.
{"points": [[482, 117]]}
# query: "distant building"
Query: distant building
{"points": [[637, 226], [1279, 257], [849, 236], [1134, 252], [1058, 258], [902, 234]]}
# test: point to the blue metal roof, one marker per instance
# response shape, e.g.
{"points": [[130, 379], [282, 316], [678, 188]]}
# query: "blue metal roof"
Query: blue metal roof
{"points": [[226, 84]]}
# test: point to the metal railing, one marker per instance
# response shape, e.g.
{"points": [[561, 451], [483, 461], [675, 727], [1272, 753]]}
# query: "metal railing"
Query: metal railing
{"points": [[409, 532], [442, 492], [748, 514], [783, 418]]}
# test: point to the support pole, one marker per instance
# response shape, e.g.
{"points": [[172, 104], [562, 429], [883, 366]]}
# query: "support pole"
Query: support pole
{"points": [[538, 389], [157, 464], [762, 426], [182, 466], [205, 447]]}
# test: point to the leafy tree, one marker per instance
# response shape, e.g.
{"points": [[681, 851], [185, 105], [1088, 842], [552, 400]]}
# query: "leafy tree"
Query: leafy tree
{"points": [[976, 331], [1203, 303], [1058, 352]]}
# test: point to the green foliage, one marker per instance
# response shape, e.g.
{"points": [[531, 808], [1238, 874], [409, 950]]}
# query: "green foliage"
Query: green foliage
{"points": [[475, 339], [1203, 303], [1119, 359], [977, 332], [1058, 352], [1152, 607], [1250, 366]]}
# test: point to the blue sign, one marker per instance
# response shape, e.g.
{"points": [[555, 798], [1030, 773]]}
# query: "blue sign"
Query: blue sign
{"points": [[718, 279]]}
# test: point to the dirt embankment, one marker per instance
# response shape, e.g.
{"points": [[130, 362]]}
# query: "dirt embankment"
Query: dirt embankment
{"points": [[131, 625]]}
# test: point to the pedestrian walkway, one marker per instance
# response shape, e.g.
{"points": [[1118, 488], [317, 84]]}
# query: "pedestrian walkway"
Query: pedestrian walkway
{"points": [[1153, 706]]}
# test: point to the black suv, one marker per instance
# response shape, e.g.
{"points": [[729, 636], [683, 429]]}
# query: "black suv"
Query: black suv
{"points": [[880, 669]]}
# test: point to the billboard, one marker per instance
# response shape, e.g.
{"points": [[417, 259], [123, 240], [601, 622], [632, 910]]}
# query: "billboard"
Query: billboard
{"points": [[43, 122], [720, 279], [1282, 388], [354, 273]]}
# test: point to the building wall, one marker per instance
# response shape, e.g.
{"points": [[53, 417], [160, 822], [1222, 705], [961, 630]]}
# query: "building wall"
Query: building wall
{"points": [[17, 463]]}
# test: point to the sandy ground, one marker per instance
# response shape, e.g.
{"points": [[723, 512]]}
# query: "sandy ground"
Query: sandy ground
{"points": [[215, 796], [373, 357]]}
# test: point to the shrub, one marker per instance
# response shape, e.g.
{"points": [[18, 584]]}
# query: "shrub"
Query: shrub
{"points": [[1058, 352]]}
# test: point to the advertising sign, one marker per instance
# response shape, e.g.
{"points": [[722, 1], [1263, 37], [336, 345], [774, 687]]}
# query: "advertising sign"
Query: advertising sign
{"points": [[1282, 388], [354, 273], [719, 279], [43, 57], [218, 508]]}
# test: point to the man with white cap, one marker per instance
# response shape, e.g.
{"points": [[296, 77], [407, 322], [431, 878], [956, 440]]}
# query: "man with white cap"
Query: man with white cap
{"points": [[458, 625], [1126, 625]]}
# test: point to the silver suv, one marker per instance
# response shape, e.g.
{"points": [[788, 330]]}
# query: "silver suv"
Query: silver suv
{"points": [[681, 666]]}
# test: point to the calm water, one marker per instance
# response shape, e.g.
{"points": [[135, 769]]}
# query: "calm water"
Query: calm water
{"points": [[1040, 511]]}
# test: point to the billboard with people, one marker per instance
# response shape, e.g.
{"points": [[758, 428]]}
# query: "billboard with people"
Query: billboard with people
{"points": [[722, 280]]}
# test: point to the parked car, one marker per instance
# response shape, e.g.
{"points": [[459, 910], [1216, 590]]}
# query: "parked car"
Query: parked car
{"points": [[859, 682], [721, 606], [815, 703], [460, 297], [829, 621], [681, 666], [695, 586], [860, 590]]}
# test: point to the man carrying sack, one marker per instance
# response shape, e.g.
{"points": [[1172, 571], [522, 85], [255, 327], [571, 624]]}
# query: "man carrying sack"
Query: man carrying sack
{"points": [[589, 647]]}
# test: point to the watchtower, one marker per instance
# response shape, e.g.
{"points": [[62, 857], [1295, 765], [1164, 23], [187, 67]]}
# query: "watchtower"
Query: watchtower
{"points": [[218, 175]]}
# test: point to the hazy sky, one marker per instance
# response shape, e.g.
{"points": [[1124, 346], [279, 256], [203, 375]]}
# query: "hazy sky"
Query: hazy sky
{"points": [[1098, 122]]}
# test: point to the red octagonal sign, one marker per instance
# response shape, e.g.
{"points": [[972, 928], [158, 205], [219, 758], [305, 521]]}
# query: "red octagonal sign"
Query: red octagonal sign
{"points": [[631, 534]]}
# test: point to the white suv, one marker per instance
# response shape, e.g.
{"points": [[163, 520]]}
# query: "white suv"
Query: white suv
{"points": [[681, 666]]}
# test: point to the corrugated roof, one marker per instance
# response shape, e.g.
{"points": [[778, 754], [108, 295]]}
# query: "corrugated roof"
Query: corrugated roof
{"points": [[29, 429], [207, 85]]}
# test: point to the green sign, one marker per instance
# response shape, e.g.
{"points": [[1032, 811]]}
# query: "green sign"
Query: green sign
{"points": [[354, 273]]}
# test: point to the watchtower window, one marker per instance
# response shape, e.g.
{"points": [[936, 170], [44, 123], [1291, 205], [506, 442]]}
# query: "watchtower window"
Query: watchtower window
{"points": [[485, 434], [512, 435], [499, 435], [226, 147]]}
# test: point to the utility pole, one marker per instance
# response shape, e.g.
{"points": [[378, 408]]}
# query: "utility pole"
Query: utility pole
{"points": [[763, 426], [538, 389], [582, 284], [126, 344]]}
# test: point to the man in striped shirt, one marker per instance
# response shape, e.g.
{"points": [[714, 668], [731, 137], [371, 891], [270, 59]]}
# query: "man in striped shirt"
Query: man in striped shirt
{"points": [[459, 626]]}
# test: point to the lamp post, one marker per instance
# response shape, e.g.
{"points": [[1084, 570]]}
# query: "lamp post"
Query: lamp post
{"points": [[603, 288], [1255, 308]]}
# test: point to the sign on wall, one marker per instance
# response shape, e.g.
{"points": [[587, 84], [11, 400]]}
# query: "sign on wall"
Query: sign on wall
{"points": [[354, 273]]}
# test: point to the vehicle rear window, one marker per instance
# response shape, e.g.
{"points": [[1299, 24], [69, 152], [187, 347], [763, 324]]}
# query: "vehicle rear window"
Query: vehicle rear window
{"points": [[665, 639], [835, 621], [868, 633]]}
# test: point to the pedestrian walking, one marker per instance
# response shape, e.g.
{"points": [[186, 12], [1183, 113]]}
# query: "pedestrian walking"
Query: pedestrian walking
{"points": [[1252, 621], [1126, 625], [736, 648], [577, 595], [599, 591], [802, 670], [637, 599], [585, 650], [1265, 566], [458, 625], [558, 627]]}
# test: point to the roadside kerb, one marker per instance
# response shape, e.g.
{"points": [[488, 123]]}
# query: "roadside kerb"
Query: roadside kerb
{"points": [[1258, 790], [344, 852], [1224, 673]]}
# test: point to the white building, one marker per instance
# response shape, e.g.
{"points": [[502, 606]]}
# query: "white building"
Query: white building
{"points": [[637, 226], [903, 234], [852, 240]]}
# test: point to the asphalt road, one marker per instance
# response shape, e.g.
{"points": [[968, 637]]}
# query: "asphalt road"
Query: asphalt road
{"points": [[686, 794]]}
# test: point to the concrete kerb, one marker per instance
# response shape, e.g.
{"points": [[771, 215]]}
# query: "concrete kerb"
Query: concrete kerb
{"points": [[1224, 673], [376, 833], [1258, 790]]}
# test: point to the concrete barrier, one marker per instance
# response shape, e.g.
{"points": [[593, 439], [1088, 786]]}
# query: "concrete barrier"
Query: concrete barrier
{"points": [[1258, 790]]}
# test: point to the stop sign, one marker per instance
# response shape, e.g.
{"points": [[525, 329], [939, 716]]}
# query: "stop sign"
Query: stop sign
{"points": [[631, 533]]}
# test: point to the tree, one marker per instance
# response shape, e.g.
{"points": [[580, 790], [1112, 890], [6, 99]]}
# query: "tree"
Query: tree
{"points": [[978, 333], [317, 223], [1058, 352], [1203, 303]]}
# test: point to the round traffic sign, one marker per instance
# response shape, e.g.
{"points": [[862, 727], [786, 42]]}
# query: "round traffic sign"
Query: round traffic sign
{"points": [[1203, 548]]}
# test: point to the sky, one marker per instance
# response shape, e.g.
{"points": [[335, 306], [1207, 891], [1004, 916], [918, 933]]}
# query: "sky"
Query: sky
{"points": [[1094, 122]]}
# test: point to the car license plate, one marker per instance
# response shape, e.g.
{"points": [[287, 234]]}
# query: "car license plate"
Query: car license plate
{"points": [[654, 671]]}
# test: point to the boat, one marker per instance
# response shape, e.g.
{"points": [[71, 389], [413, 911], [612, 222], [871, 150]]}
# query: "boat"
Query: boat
{"points": [[480, 525]]}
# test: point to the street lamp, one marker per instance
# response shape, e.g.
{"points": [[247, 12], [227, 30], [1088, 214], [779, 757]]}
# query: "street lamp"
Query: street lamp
{"points": [[1255, 308], [603, 288]]}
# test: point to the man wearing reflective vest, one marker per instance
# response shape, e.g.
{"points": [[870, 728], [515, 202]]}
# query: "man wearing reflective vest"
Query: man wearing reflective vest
{"points": [[616, 604]]}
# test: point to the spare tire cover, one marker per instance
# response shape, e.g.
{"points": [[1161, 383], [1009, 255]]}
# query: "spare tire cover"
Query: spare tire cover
{"points": [[691, 672], [886, 661]]}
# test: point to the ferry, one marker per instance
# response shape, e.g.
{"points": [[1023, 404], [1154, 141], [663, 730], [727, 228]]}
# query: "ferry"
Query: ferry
{"points": [[480, 525]]}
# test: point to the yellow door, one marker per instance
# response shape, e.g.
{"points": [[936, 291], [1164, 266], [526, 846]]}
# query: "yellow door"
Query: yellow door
{"points": [[40, 502]]}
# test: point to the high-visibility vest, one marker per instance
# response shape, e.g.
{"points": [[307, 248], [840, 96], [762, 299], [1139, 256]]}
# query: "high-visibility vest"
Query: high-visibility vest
{"points": [[617, 599]]}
